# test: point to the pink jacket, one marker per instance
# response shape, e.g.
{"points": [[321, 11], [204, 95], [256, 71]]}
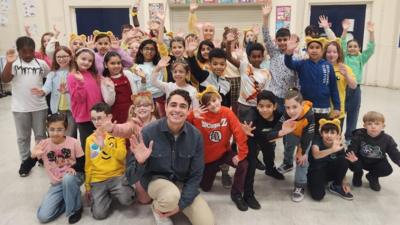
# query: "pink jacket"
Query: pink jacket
{"points": [[84, 94]]}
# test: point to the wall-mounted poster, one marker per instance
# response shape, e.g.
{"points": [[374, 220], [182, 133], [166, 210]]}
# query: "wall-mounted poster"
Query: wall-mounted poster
{"points": [[29, 7], [282, 17], [155, 8]]}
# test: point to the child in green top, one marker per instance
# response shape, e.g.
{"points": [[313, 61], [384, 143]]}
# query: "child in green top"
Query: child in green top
{"points": [[356, 61]]}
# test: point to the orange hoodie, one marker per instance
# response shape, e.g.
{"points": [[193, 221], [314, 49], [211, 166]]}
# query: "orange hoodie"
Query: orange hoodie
{"points": [[217, 129]]}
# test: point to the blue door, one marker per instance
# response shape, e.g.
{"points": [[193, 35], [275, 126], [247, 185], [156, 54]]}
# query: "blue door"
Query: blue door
{"points": [[337, 13], [102, 19]]}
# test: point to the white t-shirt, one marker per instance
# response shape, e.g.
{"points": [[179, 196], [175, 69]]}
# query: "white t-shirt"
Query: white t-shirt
{"points": [[167, 88], [252, 81], [25, 77]]}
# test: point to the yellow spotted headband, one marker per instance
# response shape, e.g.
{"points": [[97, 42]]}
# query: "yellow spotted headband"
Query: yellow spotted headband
{"points": [[335, 122], [73, 37], [97, 32], [209, 89], [321, 40]]}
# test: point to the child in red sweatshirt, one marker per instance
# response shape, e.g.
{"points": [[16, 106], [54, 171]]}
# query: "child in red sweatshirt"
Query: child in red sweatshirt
{"points": [[217, 124]]}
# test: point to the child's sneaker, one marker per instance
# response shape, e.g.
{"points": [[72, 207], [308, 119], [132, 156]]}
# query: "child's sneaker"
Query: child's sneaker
{"points": [[373, 182], [338, 190], [298, 194], [357, 179], [226, 179], [75, 217], [26, 166], [284, 168], [159, 220], [274, 173]]}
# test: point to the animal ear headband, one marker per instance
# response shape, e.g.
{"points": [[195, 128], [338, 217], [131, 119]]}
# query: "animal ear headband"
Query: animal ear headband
{"points": [[73, 37], [209, 89], [335, 122], [97, 32]]}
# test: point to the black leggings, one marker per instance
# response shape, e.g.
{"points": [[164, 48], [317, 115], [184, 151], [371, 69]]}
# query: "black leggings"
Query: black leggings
{"points": [[85, 130], [320, 173]]}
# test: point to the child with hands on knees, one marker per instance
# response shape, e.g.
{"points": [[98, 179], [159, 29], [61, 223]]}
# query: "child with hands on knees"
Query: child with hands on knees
{"points": [[64, 161], [368, 149], [105, 157], [26, 73]]}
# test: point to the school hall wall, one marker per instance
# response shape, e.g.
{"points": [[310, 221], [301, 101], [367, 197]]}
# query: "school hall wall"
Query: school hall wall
{"points": [[382, 69]]}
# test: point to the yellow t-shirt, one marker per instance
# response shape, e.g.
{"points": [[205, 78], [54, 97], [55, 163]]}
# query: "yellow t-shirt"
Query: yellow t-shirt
{"points": [[63, 102], [341, 85], [102, 163]]}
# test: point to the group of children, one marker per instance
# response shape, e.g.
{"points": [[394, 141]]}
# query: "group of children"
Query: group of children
{"points": [[107, 90]]}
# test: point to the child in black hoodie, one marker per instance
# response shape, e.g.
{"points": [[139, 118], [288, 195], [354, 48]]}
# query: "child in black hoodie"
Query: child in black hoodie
{"points": [[369, 146]]}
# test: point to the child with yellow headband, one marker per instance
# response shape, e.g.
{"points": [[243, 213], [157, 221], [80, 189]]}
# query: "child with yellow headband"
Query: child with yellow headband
{"points": [[328, 162], [217, 125]]}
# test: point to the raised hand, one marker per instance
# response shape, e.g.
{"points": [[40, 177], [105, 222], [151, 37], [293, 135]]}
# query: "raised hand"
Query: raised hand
{"points": [[164, 62], [198, 111], [191, 45], [90, 42], [114, 42], [291, 44], [108, 126], [37, 91], [11, 55], [346, 24], [140, 151], [193, 7], [351, 156], [248, 128], [28, 30], [370, 26], [78, 76], [342, 69], [38, 150], [230, 37], [337, 144], [106, 81], [161, 17], [267, 8], [256, 30], [323, 21], [239, 53], [56, 31], [288, 126]]}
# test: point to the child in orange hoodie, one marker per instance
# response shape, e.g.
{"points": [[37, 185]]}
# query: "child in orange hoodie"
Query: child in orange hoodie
{"points": [[217, 124]]}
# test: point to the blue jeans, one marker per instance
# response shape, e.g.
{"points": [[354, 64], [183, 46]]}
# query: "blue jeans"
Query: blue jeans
{"points": [[62, 197], [353, 103], [300, 176]]}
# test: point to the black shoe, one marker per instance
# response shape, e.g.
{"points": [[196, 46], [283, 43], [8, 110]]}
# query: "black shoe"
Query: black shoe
{"points": [[75, 217], [274, 173], [357, 179], [252, 202], [40, 161], [373, 182], [239, 201], [26, 166], [260, 165]]}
